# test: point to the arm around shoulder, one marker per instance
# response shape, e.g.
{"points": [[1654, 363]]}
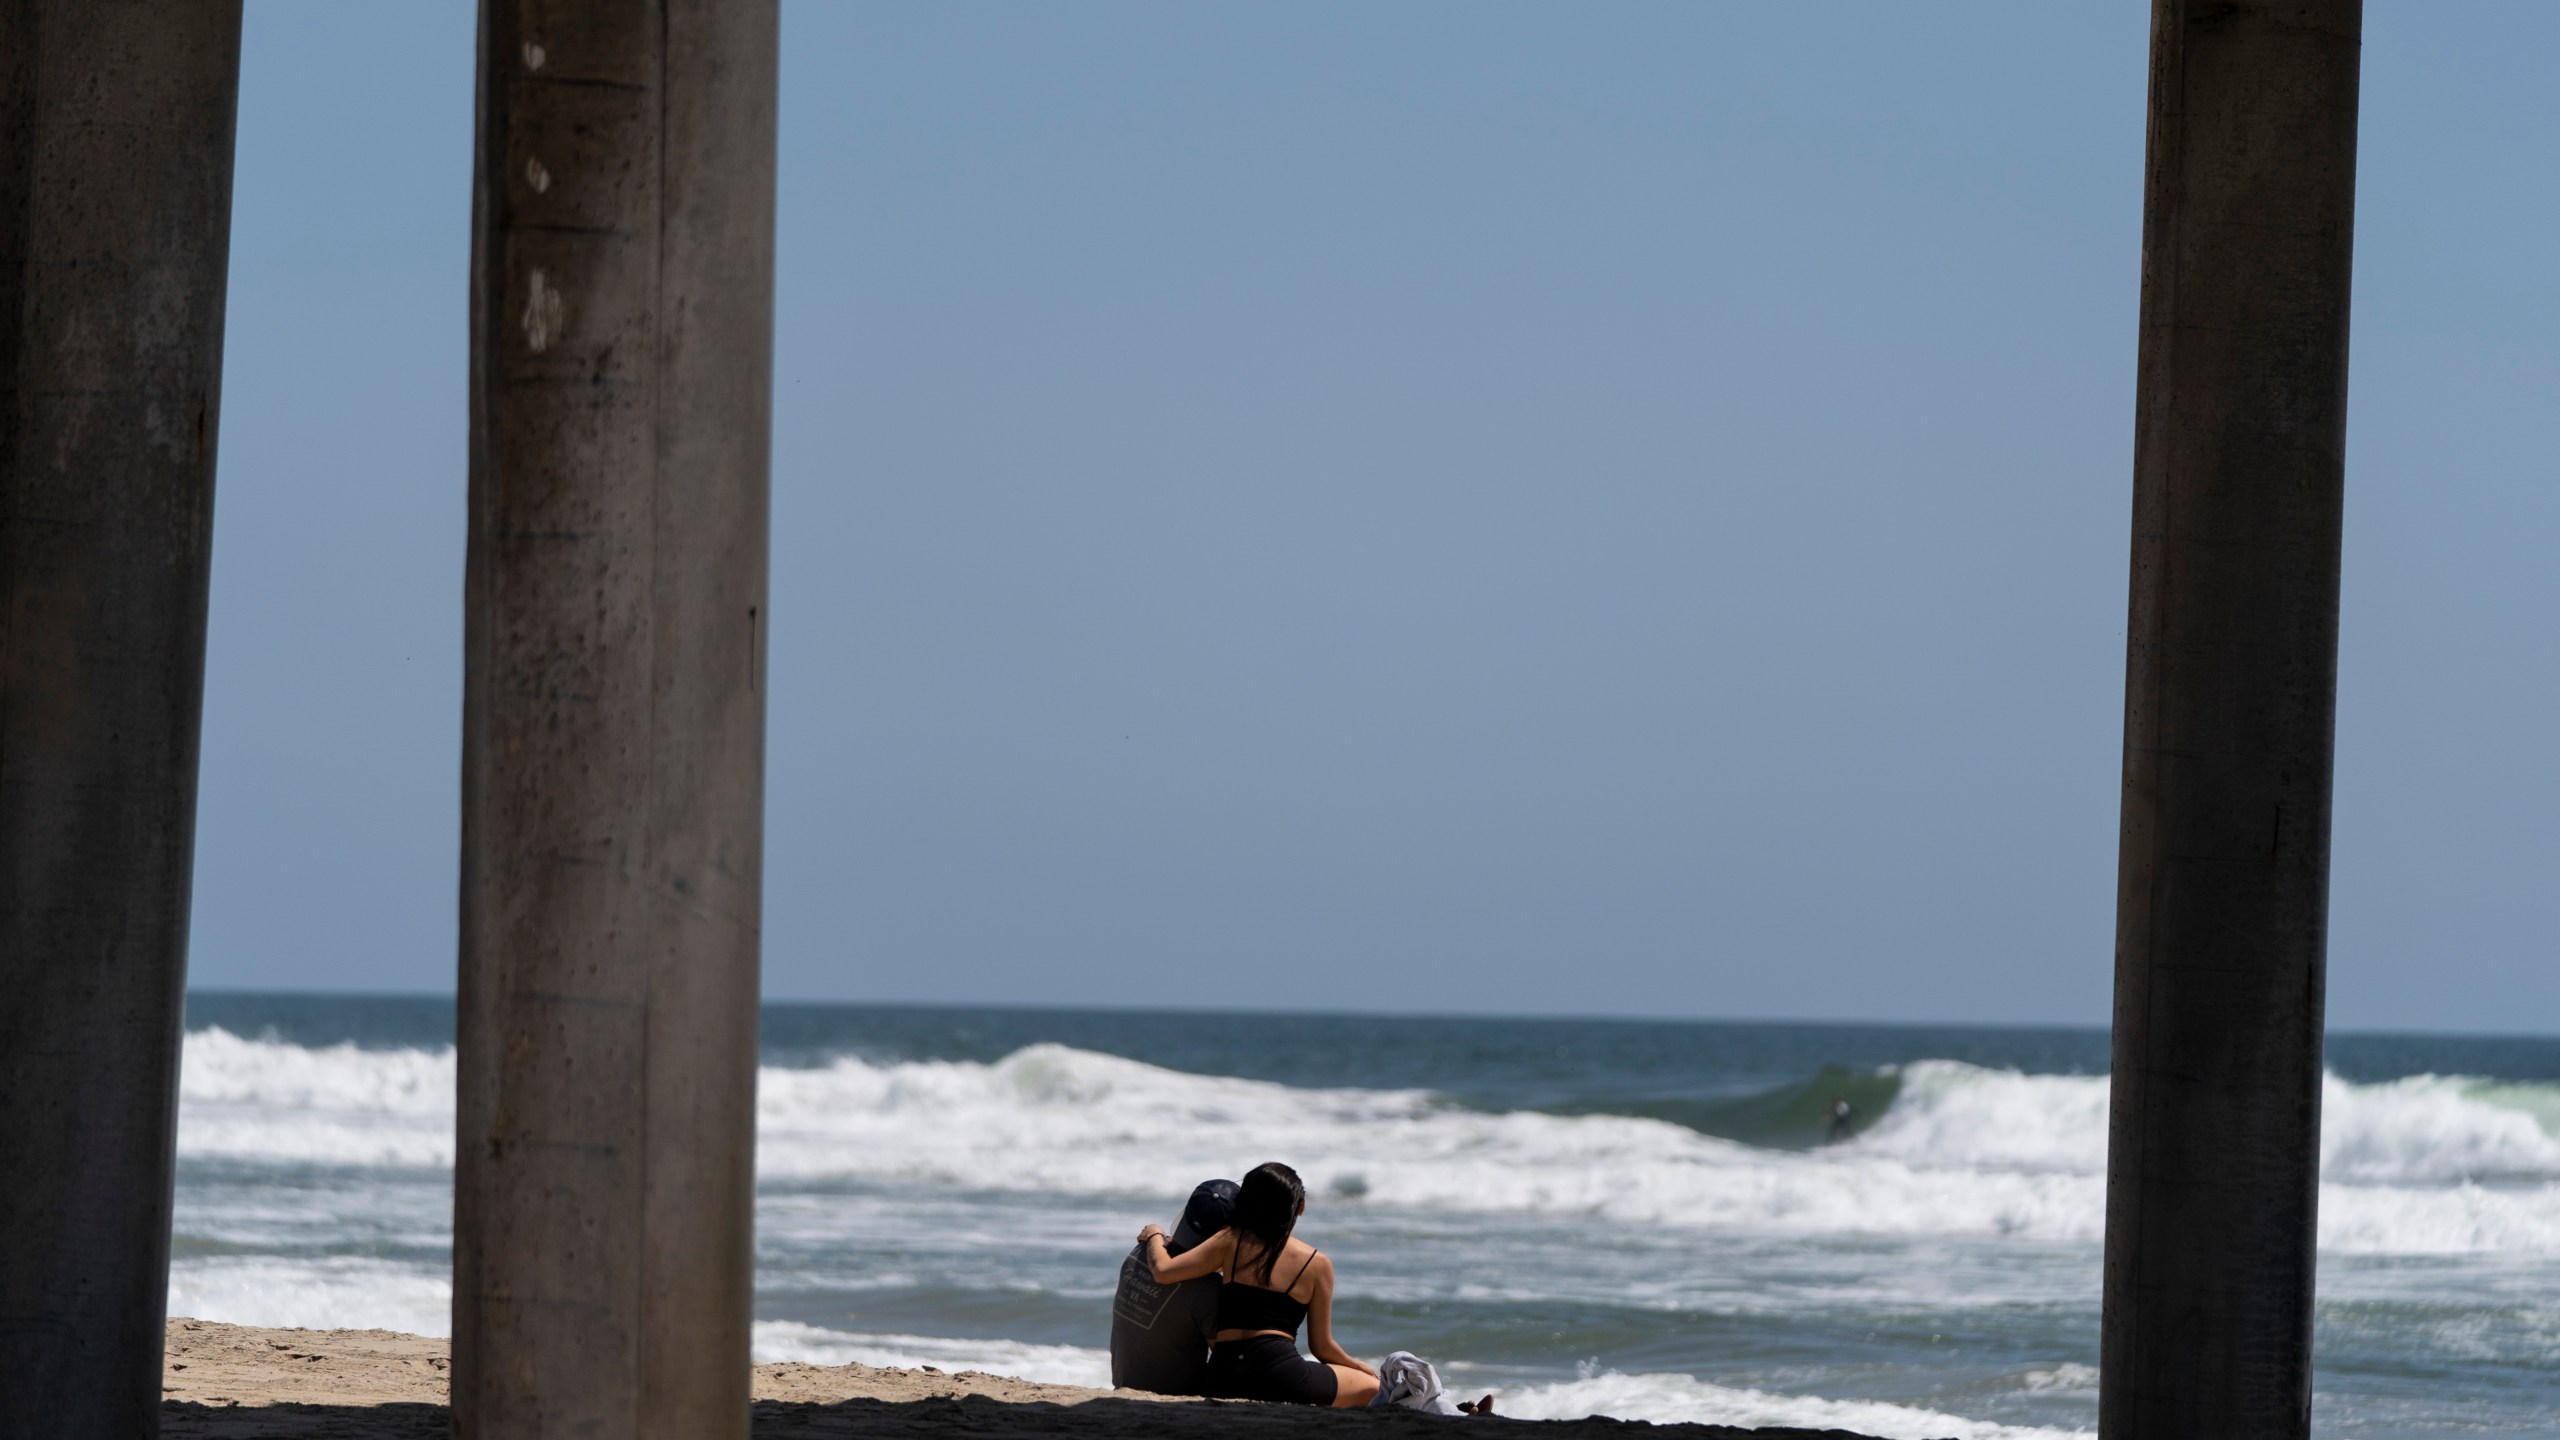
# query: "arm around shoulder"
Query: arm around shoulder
{"points": [[1206, 1258]]}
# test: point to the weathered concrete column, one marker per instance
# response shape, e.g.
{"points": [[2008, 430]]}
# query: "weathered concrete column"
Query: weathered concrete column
{"points": [[115, 237], [2230, 694], [613, 736]]}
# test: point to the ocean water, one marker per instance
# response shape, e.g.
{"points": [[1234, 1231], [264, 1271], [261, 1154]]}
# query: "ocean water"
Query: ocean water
{"points": [[1614, 1217]]}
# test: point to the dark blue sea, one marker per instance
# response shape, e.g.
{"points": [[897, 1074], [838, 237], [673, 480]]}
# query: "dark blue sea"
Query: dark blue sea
{"points": [[1633, 1218]]}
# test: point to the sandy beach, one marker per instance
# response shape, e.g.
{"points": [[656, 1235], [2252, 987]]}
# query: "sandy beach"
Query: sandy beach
{"points": [[238, 1382]]}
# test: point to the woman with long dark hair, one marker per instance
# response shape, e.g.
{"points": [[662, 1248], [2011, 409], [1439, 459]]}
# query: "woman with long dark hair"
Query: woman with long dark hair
{"points": [[1272, 1280]]}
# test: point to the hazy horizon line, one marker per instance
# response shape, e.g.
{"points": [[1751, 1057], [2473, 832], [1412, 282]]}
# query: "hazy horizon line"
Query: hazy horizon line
{"points": [[1381, 1012]]}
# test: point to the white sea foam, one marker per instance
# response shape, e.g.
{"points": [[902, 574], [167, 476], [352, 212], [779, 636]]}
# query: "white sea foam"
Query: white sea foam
{"points": [[776, 1341], [329, 1293], [265, 1100], [2426, 1129], [2432, 1130], [1668, 1399], [2424, 1165], [2064, 1377], [1950, 1114], [1053, 1118]]}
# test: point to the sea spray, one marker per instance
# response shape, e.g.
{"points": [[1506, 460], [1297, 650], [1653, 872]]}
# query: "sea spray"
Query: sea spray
{"points": [[2423, 1165]]}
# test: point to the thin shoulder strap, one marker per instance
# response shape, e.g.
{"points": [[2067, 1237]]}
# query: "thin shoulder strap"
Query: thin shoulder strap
{"points": [[1312, 1253]]}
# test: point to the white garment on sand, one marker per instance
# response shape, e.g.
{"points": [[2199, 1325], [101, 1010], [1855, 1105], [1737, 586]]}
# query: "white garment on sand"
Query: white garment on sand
{"points": [[1407, 1379]]}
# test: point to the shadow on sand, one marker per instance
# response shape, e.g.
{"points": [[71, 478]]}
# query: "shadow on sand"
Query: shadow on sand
{"points": [[968, 1416]]}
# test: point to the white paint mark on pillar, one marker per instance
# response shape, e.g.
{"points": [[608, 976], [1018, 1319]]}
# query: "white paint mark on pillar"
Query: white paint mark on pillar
{"points": [[533, 56], [541, 315], [536, 176]]}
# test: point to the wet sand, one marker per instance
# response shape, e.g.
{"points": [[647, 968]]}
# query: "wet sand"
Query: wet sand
{"points": [[237, 1382]]}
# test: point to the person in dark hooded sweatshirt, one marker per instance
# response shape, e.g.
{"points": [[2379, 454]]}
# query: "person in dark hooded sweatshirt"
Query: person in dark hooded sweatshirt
{"points": [[1255, 1354], [1160, 1333]]}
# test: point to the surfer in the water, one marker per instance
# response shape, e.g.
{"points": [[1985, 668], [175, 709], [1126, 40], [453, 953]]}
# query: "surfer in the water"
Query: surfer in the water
{"points": [[1843, 1120], [1272, 1280]]}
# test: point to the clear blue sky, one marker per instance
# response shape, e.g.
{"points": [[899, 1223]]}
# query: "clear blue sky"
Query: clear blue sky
{"points": [[1444, 507]]}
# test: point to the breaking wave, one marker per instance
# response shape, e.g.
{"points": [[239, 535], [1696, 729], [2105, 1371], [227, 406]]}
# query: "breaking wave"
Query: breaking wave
{"points": [[2426, 1164]]}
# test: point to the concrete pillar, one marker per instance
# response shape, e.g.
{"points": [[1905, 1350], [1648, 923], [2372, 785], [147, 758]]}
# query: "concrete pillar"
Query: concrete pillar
{"points": [[613, 717], [2230, 693], [115, 236]]}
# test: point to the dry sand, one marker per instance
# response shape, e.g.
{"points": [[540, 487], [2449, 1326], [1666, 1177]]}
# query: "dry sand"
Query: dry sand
{"points": [[236, 1382]]}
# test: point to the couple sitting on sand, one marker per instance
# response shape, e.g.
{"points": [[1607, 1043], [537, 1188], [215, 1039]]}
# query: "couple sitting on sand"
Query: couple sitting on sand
{"points": [[1214, 1310]]}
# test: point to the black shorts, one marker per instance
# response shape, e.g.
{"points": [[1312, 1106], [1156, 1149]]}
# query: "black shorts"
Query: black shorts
{"points": [[1268, 1367]]}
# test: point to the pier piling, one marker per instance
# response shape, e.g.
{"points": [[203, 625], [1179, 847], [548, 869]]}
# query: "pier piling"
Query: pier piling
{"points": [[613, 745], [2230, 698], [116, 120]]}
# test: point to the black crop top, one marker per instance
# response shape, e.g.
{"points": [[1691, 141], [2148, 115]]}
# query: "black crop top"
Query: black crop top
{"points": [[1257, 1307]]}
